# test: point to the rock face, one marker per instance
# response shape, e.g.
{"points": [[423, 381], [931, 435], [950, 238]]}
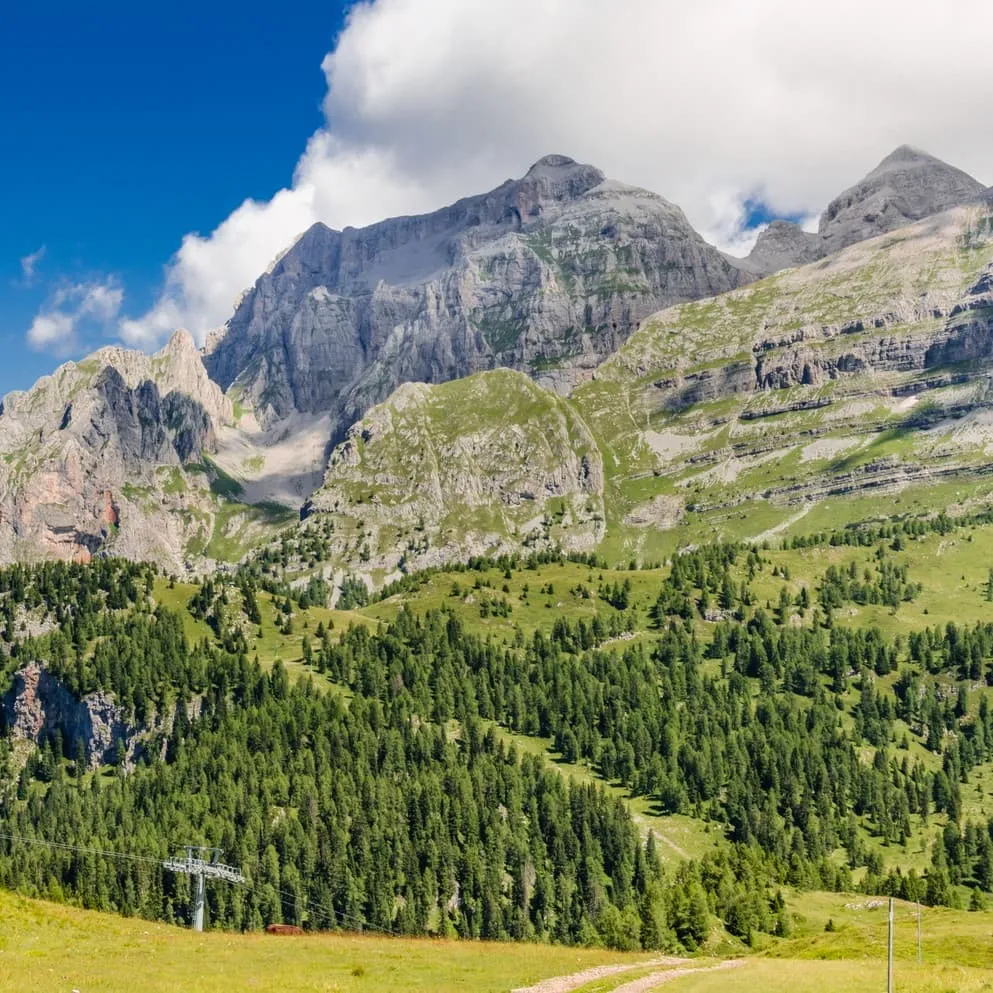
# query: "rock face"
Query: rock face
{"points": [[38, 705], [907, 186], [86, 455], [548, 274], [484, 465], [860, 374], [187, 459], [782, 245], [864, 373]]}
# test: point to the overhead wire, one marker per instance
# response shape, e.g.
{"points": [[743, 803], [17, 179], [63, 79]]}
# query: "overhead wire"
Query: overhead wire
{"points": [[332, 915], [76, 848]]}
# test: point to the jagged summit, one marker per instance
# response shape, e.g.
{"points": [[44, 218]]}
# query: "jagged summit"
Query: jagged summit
{"points": [[181, 343], [906, 186], [547, 274], [906, 155], [96, 454], [782, 245], [558, 177], [547, 162]]}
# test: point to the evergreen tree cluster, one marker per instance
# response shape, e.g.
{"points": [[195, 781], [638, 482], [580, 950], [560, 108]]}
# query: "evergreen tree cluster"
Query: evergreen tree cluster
{"points": [[405, 802]]}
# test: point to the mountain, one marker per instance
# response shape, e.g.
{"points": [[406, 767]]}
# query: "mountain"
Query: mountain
{"points": [[907, 186], [113, 454], [814, 396], [781, 245], [187, 459], [474, 466], [547, 274]]}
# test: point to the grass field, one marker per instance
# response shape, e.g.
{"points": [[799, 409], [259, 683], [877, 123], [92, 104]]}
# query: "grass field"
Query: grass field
{"points": [[47, 947]]}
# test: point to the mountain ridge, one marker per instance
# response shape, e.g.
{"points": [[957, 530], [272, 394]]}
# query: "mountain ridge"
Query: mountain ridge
{"points": [[185, 457], [906, 186], [730, 417], [548, 274]]}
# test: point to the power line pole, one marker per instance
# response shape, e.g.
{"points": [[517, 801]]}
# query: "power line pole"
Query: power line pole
{"points": [[918, 932], [199, 864], [889, 956]]}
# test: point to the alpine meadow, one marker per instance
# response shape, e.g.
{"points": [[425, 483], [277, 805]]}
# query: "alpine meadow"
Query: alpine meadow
{"points": [[528, 595]]}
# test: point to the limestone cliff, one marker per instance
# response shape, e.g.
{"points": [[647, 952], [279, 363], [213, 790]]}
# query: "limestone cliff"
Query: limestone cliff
{"points": [[907, 186], [484, 465], [568, 278], [854, 378], [548, 274], [95, 457], [38, 705]]}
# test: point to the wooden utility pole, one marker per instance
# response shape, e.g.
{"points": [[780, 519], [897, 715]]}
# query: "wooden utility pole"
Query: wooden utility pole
{"points": [[919, 959], [889, 955]]}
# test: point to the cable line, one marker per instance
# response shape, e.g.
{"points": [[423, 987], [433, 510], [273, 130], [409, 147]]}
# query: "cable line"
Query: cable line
{"points": [[76, 848], [332, 915]]}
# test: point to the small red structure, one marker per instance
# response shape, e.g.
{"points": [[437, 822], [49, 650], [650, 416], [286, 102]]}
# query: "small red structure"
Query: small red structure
{"points": [[283, 929]]}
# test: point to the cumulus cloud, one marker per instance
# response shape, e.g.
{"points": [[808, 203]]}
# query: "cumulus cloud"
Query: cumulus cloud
{"points": [[29, 266], [73, 309], [333, 183], [706, 103]]}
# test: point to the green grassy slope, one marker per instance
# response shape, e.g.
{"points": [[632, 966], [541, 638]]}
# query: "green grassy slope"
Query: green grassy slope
{"points": [[489, 462], [819, 396], [46, 947]]}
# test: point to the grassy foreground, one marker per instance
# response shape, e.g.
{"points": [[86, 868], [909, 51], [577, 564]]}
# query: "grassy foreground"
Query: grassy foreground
{"points": [[49, 947]]}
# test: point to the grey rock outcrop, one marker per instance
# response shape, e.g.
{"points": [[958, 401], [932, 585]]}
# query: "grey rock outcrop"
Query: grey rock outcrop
{"points": [[548, 274], [865, 372], [38, 705], [83, 454], [478, 466], [907, 186], [782, 245]]}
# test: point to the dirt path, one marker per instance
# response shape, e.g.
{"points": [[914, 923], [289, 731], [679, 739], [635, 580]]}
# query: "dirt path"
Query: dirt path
{"points": [[782, 525], [646, 983], [665, 839], [563, 984]]}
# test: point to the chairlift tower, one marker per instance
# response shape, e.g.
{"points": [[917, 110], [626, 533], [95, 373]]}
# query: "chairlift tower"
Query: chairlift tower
{"points": [[201, 863]]}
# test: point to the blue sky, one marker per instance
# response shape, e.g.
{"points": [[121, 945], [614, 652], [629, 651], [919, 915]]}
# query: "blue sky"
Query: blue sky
{"points": [[125, 125]]}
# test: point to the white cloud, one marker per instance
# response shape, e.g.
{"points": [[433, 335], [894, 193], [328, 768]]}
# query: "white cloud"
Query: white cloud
{"points": [[429, 100], [52, 331], [29, 266], [73, 309]]}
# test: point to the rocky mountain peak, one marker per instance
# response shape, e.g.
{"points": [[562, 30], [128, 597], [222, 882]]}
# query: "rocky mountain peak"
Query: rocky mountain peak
{"points": [[783, 245], [180, 344], [906, 186], [547, 273], [84, 453], [550, 162], [558, 177], [906, 155]]}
